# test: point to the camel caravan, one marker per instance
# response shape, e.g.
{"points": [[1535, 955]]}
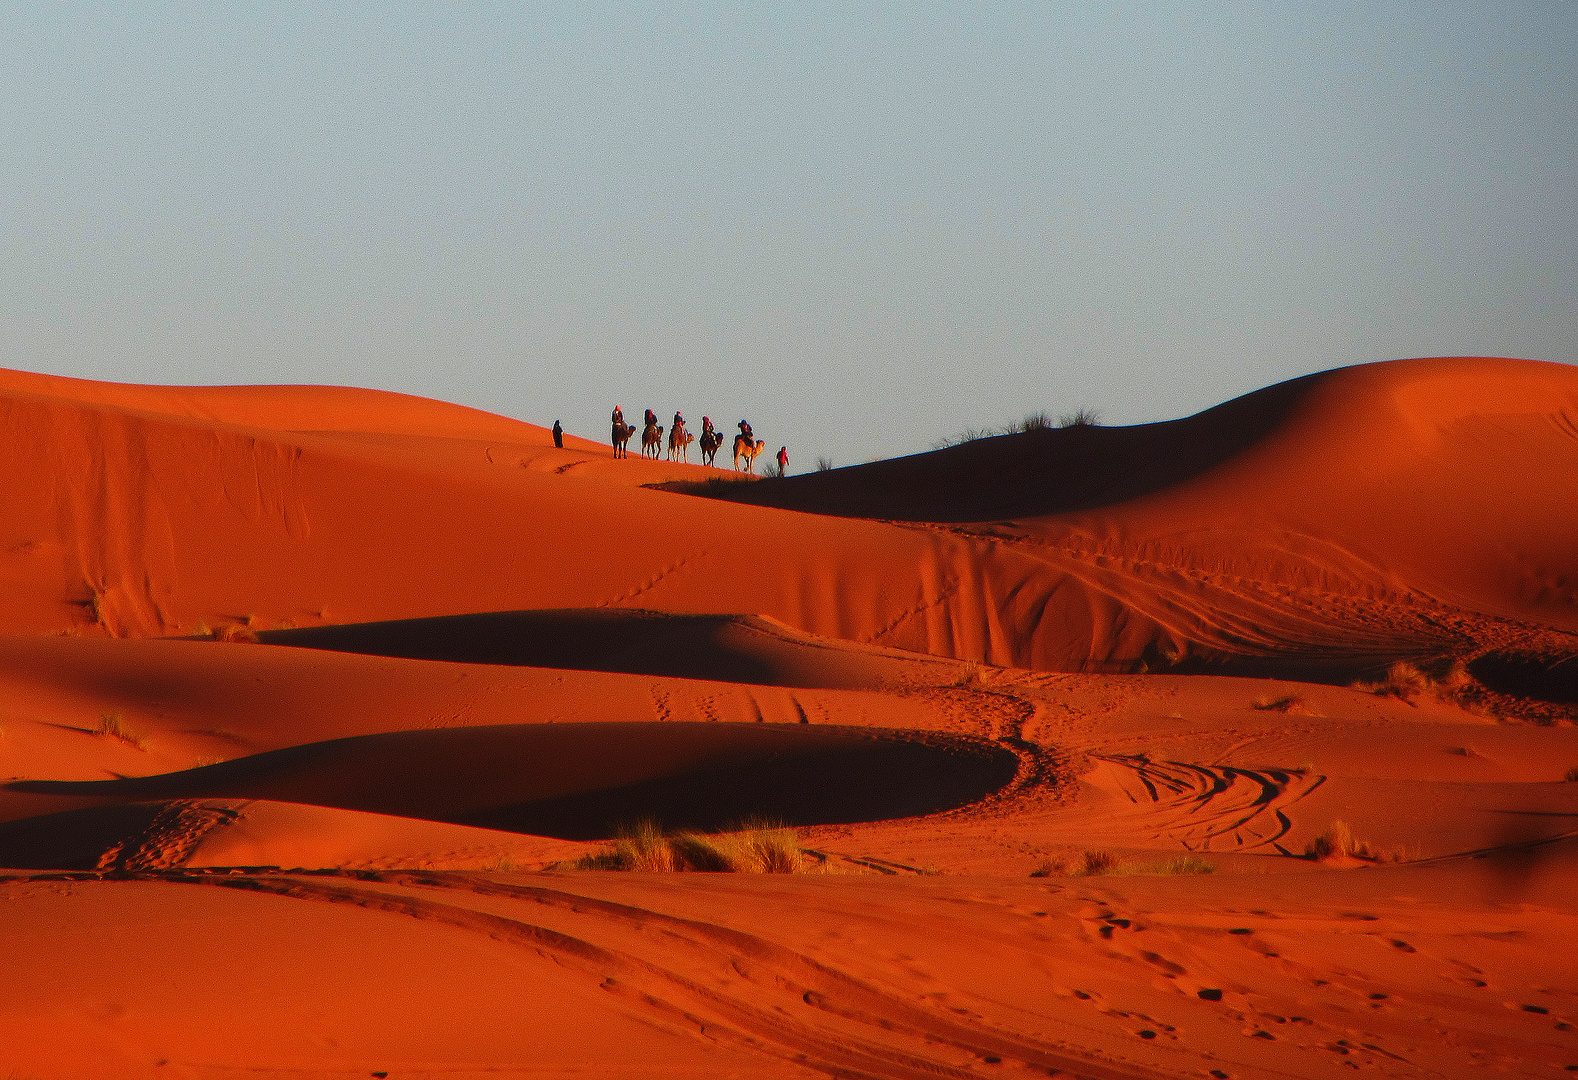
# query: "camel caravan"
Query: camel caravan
{"points": [[746, 446]]}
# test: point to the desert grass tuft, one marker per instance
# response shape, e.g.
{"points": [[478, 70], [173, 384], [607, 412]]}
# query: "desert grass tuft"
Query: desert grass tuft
{"points": [[824, 464], [1093, 864], [1406, 681], [1572, 775], [1338, 842], [1036, 422], [1106, 864], [1181, 865], [1281, 704], [756, 847], [113, 726], [1083, 416]]}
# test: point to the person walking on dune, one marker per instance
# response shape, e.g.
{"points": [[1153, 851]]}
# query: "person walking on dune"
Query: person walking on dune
{"points": [[558, 434], [783, 460]]}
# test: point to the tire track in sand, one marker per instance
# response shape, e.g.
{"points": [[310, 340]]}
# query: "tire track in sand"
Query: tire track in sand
{"points": [[746, 992]]}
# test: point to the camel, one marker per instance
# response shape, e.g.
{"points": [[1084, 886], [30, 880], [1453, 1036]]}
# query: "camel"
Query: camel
{"points": [[679, 441], [622, 433], [710, 441], [748, 449], [652, 439]]}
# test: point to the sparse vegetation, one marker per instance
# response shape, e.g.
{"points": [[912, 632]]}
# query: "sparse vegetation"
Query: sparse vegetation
{"points": [[1083, 416], [96, 607], [1093, 863], [112, 725], [824, 464], [1338, 842], [757, 847], [1038, 421], [1407, 681], [236, 633], [1572, 775], [1105, 863], [1183, 864], [1281, 704]]}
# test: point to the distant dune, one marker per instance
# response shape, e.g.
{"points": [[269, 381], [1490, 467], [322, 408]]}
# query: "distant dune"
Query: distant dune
{"points": [[1239, 746]]}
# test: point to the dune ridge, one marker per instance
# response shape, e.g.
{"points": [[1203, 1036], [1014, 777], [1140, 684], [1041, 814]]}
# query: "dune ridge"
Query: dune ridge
{"points": [[315, 695]]}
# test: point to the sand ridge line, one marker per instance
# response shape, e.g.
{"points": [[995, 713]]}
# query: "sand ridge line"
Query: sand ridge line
{"points": [[837, 1037]]}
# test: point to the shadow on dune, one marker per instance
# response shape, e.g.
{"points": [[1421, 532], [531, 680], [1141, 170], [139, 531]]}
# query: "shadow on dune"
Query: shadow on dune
{"points": [[73, 839], [1035, 473], [724, 648], [571, 781]]}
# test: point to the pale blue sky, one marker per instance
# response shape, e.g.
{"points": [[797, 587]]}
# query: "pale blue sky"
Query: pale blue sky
{"points": [[865, 226]]}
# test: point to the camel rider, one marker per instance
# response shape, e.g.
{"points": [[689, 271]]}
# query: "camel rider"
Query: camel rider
{"points": [[619, 416], [706, 427], [651, 418], [745, 429], [679, 422]]}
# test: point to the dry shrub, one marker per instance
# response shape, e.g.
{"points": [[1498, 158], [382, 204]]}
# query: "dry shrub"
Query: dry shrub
{"points": [[754, 848], [1403, 681], [1281, 704], [111, 725], [1183, 864], [1093, 863], [1099, 863], [1080, 417], [1338, 842], [1406, 681], [1572, 775]]}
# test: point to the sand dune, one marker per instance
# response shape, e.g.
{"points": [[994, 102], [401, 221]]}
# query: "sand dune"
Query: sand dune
{"points": [[408, 652], [581, 781], [727, 648]]}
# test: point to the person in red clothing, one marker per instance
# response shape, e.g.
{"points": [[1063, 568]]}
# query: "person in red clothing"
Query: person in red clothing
{"points": [[783, 460]]}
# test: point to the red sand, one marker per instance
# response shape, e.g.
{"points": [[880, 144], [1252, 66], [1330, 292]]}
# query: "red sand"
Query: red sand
{"points": [[476, 654]]}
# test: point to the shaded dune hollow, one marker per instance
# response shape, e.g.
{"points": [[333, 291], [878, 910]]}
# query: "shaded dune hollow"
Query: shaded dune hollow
{"points": [[717, 647], [581, 781]]}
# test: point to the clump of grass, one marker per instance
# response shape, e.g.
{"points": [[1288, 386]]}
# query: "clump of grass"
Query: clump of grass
{"points": [[96, 607], [1572, 775], [759, 847], [1093, 864], [1105, 863], [1406, 681], [1281, 704], [113, 726], [824, 464], [642, 847], [1084, 416], [1338, 842], [1403, 681], [1183, 864], [1039, 421]]}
